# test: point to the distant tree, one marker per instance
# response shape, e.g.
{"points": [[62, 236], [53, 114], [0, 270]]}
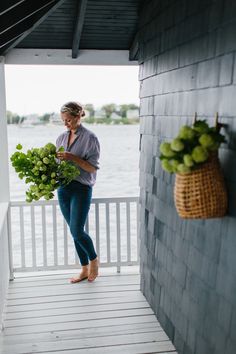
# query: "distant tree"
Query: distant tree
{"points": [[133, 106], [45, 117], [109, 109], [90, 108], [125, 107], [123, 110], [9, 117], [16, 119], [12, 118]]}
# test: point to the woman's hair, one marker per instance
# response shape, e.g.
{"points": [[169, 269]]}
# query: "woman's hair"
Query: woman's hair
{"points": [[73, 108]]}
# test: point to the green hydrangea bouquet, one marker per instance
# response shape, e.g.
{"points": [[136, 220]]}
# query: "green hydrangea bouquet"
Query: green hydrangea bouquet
{"points": [[41, 168], [192, 147]]}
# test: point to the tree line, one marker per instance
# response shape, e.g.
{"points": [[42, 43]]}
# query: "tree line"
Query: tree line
{"points": [[111, 108], [107, 110]]}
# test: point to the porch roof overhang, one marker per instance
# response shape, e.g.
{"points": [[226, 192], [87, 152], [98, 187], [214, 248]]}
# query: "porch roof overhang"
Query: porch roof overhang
{"points": [[80, 32], [70, 31]]}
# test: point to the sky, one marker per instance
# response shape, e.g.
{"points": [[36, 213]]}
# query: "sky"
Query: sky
{"points": [[44, 89]]}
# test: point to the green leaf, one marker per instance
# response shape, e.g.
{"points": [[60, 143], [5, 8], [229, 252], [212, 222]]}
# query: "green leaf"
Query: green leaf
{"points": [[19, 147]]}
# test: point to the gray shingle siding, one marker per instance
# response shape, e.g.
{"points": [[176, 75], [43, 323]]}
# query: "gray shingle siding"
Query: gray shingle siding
{"points": [[188, 267]]}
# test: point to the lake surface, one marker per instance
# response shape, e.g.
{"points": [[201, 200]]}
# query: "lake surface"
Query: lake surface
{"points": [[119, 161]]}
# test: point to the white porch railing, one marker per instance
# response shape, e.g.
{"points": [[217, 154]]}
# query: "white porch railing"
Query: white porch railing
{"points": [[40, 238]]}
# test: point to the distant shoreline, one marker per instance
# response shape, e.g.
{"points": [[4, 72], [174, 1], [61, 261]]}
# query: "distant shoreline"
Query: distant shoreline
{"points": [[110, 121], [91, 121]]}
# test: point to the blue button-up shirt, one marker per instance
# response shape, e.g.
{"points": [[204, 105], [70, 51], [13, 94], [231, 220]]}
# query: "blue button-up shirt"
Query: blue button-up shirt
{"points": [[87, 147]]}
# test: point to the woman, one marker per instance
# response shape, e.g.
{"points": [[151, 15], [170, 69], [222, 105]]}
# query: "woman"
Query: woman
{"points": [[82, 148]]}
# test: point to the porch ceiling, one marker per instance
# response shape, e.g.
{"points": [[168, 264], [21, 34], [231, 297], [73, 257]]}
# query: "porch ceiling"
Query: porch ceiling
{"points": [[69, 24]]}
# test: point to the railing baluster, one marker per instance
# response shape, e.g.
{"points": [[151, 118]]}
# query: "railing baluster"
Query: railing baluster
{"points": [[33, 236], [76, 258], [54, 210], [118, 236], [44, 236], [22, 237], [10, 250], [108, 233], [65, 234], [77, 262], [87, 225], [97, 229], [128, 231], [87, 231], [137, 231]]}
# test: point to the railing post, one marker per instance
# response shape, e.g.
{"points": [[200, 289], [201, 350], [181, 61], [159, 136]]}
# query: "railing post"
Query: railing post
{"points": [[118, 236], [10, 243], [138, 232]]}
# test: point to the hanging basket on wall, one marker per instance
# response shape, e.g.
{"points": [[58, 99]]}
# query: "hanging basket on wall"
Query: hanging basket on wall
{"points": [[199, 190], [201, 193]]}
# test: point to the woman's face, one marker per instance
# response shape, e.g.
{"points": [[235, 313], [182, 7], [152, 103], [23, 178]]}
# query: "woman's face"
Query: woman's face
{"points": [[71, 122]]}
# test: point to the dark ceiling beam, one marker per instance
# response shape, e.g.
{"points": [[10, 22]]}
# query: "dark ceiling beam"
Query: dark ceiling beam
{"points": [[9, 5], [26, 27], [22, 27], [21, 13], [78, 27], [8, 43], [133, 51]]}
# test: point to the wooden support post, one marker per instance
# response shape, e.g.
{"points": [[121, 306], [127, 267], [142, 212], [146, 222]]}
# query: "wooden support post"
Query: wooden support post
{"points": [[4, 170]]}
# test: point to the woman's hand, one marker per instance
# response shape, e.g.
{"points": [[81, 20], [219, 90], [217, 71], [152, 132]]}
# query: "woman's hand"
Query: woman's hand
{"points": [[65, 155], [86, 166]]}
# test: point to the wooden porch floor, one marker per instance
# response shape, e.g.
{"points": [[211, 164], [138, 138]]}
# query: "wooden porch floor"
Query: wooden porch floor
{"points": [[47, 314]]}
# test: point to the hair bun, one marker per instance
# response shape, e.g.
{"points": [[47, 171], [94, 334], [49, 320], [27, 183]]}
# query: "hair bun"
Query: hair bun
{"points": [[73, 108]]}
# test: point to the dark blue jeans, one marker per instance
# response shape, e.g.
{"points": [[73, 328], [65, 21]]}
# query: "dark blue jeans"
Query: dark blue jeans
{"points": [[74, 200]]}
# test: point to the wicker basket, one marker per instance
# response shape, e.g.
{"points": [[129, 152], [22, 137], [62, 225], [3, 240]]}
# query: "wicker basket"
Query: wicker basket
{"points": [[201, 194]]}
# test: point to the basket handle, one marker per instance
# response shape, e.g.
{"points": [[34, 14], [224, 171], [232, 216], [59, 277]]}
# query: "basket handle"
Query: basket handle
{"points": [[217, 124], [216, 119]]}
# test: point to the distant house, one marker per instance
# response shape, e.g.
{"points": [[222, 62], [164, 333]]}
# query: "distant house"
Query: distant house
{"points": [[100, 113], [87, 113], [132, 113], [115, 116], [30, 120], [55, 119]]}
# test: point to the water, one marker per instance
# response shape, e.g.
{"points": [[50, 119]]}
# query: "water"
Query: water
{"points": [[117, 177], [118, 174]]}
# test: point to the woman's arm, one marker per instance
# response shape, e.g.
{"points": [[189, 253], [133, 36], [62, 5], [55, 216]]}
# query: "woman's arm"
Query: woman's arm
{"points": [[65, 155]]}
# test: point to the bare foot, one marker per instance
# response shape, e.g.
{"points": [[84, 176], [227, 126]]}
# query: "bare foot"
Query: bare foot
{"points": [[82, 276], [93, 270]]}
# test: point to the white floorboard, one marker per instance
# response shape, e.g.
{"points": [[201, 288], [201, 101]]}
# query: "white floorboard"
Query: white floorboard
{"points": [[47, 314]]}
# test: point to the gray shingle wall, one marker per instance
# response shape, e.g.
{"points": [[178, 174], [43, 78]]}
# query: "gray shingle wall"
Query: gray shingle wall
{"points": [[188, 267]]}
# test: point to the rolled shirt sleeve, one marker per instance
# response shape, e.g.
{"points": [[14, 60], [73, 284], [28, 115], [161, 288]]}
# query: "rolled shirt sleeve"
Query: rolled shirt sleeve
{"points": [[93, 153]]}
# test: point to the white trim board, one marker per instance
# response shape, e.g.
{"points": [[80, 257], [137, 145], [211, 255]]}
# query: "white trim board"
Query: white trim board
{"points": [[4, 171], [3, 214], [63, 57]]}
